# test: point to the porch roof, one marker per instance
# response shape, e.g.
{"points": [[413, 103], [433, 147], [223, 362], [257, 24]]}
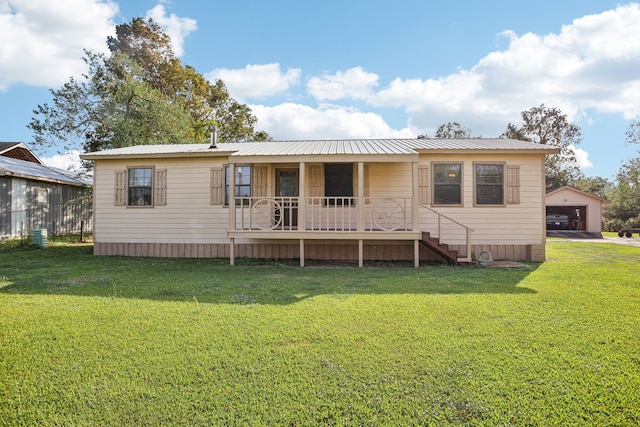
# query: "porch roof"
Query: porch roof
{"points": [[347, 147]]}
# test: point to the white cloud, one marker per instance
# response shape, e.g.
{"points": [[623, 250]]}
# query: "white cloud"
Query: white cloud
{"points": [[591, 64], [582, 158], [43, 42], [256, 81], [177, 28], [296, 121], [588, 67], [68, 161], [354, 83]]}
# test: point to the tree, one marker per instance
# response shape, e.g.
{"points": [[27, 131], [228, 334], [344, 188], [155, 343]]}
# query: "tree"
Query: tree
{"points": [[139, 94], [632, 134], [550, 126], [450, 130], [623, 209], [597, 186]]}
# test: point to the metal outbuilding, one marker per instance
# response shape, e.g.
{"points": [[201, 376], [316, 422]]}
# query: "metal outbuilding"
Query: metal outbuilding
{"points": [[36, 196]]}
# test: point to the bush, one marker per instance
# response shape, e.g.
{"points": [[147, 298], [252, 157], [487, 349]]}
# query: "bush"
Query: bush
{"points": [[613, 224]]}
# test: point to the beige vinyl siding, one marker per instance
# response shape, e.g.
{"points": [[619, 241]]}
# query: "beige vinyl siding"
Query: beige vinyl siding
{"points": [[392, 180], [511, 224], [187, 216]]}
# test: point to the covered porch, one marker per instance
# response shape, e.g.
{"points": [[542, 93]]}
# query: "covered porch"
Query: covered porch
{"points": [[292, 205], [312, 201]]}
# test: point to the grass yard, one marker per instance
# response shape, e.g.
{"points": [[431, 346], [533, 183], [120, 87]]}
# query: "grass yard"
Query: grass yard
{"points": [[122, 341]]}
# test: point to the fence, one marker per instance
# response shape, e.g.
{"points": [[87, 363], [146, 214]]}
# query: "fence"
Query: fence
{"points": [[71, 217]]}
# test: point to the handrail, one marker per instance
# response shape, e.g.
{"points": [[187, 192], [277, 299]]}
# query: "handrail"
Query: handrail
{"points": [[468, 231]]}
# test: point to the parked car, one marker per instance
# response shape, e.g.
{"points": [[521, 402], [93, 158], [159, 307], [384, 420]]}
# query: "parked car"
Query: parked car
{"points": [[557, 221]]}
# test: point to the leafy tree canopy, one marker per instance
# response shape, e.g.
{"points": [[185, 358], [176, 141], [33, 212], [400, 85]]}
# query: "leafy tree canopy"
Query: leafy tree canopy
{"points": [[632, 134], [597, 186], [139, 94], [624, 198], [450, 130], [549, 125]]}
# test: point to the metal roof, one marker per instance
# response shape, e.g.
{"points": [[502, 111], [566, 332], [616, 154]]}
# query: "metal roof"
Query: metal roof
{"points": [[30, 170], [387, 147]]}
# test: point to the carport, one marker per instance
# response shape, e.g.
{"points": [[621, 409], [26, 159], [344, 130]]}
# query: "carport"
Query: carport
{"points": [[571, 209]]}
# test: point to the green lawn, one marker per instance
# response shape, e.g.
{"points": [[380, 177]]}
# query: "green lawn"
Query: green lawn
{"points": [[122, 341]]}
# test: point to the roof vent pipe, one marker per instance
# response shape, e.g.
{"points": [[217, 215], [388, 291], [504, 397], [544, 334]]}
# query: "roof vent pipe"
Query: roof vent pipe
{"points": [[214, 137]]}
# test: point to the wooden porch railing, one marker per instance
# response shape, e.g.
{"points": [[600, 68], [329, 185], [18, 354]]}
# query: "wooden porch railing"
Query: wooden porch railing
{"points": [[439, 235], [323, 214]]}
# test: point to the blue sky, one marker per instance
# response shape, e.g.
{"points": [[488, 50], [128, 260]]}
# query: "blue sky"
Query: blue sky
{"points": [[352, 69]]}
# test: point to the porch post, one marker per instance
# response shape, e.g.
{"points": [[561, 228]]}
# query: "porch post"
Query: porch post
{"points": [[232, 196], [360, 196], [302, 223], [415, 197], [416, 253], [360, 253], [301, 252], [232, 210]]}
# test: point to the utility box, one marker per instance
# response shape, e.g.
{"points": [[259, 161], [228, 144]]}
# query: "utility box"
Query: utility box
{"points": [[40, 237]]}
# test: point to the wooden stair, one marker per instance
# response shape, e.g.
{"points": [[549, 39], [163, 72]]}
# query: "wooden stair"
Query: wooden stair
{"points": [[451, 256]]}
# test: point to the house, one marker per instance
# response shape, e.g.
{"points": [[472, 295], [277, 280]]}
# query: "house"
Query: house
{"points": [[357, 200], [36, 196], [571, 209]]}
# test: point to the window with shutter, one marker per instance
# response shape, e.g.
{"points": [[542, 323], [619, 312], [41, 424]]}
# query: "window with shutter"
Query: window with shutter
{"points": [[217, 184], [140, 186], [513, 184]]}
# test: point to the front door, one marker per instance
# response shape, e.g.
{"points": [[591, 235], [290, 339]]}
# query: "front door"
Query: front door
{"points": [[287, 191]]}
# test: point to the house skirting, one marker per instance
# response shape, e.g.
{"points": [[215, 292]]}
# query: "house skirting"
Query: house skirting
{"points": [[318, 251]]}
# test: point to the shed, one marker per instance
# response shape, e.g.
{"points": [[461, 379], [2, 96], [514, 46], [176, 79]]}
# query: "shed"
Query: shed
{"points": [[37, 196], [571, 209]]}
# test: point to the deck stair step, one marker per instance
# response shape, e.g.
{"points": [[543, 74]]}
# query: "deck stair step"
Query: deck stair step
{"points": [[442, 249]]}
